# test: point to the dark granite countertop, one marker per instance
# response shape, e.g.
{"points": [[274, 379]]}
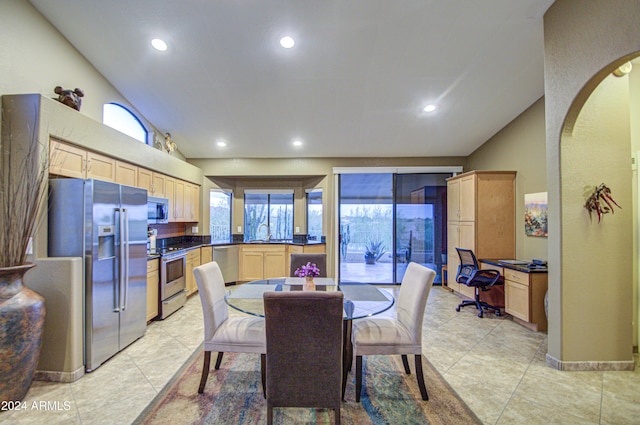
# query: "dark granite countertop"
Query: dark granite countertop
{"points": [[525, 268], [185, 246]]}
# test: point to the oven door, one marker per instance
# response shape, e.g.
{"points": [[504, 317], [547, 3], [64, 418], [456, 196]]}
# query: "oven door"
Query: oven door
{"points": [[172, 276]]}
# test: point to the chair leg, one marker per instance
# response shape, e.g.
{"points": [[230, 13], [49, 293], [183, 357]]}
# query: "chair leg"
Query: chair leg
{"points": [[263, 366], [420, 376], [358, 377], [336, 412], [205, 371], [269, 415], [405, 362], [219, 360]]}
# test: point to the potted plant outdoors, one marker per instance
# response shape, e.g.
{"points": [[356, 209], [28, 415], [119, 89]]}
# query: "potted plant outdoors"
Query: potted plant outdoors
{"points": [[373, 251], [23, 178]]}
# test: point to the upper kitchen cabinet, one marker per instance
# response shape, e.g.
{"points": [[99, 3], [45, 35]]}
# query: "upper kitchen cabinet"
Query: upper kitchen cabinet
{"points": [[155, 183], [126, 174], [72, 161]]}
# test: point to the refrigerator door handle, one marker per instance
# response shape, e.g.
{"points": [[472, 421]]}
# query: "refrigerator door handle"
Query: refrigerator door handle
{"points": [[116, 284], [122, 259], [126, 259]]}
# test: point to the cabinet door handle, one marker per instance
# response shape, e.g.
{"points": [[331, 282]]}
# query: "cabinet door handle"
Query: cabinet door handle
{"points": [[88, 165]]}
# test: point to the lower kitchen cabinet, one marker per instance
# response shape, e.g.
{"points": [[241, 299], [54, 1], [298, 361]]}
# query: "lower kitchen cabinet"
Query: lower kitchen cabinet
{"points": [[153, 287], [193, 261], [314, 249], [262, 262], [206, 254]]}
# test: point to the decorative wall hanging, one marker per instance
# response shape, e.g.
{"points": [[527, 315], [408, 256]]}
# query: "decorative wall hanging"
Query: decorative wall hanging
{"points": [[535, 214], [601, 202]]}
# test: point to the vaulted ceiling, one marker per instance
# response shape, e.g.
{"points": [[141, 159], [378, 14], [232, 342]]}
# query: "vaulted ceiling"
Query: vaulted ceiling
{"points": [[354, 84]]}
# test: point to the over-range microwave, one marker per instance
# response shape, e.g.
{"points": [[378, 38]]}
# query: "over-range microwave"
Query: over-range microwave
{"points": [[158, 210]]}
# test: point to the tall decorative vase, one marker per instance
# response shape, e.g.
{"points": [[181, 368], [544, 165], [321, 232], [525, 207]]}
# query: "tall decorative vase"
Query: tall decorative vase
{"points": [[21, 324], [309, 284]]}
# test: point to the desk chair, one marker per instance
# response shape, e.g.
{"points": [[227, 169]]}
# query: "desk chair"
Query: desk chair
{"points": [[304, 350], [320, 260], [221, 332], [401, 334], [469, 274]]}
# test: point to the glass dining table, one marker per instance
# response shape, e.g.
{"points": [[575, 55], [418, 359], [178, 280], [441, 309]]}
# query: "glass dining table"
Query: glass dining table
{"points": [[360, 300]]}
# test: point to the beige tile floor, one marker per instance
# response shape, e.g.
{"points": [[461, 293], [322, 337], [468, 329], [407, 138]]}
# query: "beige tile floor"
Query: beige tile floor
{"points": [[495, 365]]}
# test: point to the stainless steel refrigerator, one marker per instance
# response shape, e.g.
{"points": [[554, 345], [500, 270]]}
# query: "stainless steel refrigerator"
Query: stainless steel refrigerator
{"points": [[106, 224]]}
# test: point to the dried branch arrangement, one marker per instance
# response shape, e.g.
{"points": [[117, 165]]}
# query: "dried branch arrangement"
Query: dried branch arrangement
{"points": [[23, 178], [601, 202]]}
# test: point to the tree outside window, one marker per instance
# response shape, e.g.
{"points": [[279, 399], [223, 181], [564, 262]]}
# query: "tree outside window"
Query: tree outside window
{"points": [[268, 215]]}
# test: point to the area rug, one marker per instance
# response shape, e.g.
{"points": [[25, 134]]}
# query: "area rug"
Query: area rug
{"points": [[233, 395]]}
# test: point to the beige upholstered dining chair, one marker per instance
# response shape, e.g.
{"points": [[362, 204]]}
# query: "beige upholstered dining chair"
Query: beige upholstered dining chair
{"points": [[320, 260], [221, 332], [304, 350], [398, 334]]}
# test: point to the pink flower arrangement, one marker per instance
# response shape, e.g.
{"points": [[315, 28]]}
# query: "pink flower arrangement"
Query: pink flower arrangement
{"points": [[309, 270]]}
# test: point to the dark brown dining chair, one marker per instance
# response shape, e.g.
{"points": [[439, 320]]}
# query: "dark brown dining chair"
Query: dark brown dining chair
{"points": [[304, 350], [320, 260]]}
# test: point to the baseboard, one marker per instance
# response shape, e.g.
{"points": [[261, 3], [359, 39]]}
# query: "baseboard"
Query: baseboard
{"points": [[56, 376], [575, 366]]}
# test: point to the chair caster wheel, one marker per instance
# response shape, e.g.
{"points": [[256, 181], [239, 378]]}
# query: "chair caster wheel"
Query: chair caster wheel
{"points": [[458, 309], [498, 313], [480, 315]]}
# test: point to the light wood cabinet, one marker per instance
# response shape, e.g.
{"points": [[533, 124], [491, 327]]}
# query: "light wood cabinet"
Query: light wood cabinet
{"points": [[193, 261], [126, 174], [524, 298], [291, 249], [262, 262], [158, 184], [480, 217], [153, 288], [206, 254], [72, 161], [153, 182], [145, 179], [178, 198], [314, 249], [169, 193], [191, 202]]}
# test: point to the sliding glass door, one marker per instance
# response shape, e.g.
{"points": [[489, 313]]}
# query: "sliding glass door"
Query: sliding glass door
{"points": [[421, 221], [366, 228], [388, 220]]}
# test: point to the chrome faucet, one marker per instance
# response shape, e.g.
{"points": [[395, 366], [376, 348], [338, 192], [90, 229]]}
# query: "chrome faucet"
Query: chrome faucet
{"points": [[268, 230]]}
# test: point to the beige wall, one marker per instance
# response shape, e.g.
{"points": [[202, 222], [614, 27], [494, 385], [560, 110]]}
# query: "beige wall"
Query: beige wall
{"points": [[301, 173], [520, 146], [35, 58], [584, 42]]}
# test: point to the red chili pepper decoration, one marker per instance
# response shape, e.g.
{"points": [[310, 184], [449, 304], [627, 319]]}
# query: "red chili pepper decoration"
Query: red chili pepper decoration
{"points": [[601, 193]]}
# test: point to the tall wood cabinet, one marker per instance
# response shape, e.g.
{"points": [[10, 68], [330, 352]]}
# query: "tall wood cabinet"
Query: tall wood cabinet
{"points": [[480, 217]]}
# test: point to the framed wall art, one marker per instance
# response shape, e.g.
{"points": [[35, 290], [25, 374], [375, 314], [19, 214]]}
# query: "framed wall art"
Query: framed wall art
{"points": [[535, 214]]}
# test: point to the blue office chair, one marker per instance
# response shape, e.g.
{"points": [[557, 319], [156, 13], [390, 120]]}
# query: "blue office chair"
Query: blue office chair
{"points": [[469, 274]]}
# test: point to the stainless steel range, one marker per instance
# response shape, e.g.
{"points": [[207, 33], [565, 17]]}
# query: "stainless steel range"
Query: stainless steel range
{"points": [[173, 292]]}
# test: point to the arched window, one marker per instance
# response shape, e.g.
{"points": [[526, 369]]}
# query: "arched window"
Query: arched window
{"points": [[122, 119]]}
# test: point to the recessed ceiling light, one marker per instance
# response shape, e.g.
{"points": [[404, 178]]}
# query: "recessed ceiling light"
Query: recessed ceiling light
{"points": [[159, 44], [287, 42], [297, 143], [429, 108], [221, 143]]}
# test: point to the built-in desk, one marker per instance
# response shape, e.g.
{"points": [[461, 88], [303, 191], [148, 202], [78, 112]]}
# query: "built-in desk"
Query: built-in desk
{"points": [[524, 292]]}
